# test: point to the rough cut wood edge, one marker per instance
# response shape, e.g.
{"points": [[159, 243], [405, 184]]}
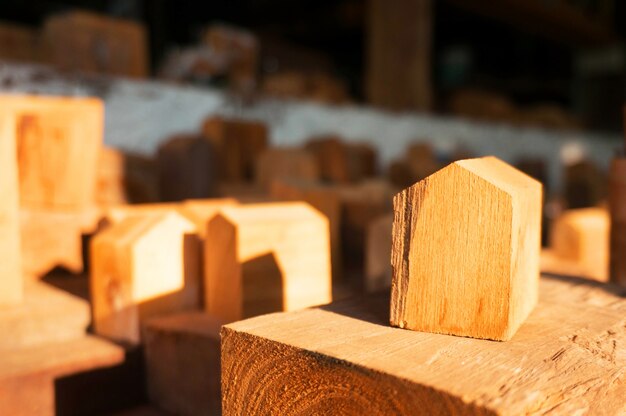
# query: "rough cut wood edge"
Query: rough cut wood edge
{"points": [[567, 358]]}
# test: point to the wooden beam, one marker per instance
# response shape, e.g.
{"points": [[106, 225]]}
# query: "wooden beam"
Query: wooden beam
{"points": [[262, 258], [142, 267], [465, 255], [565, 359]]}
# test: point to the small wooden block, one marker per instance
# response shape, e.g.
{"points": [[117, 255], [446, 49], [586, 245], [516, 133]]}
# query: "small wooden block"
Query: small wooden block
{"points": [[567, 358], [341, 162], [183, 363], [58, 142], [90, 42], [263, 258], [238, 144], [582, 236], [187, 168], [285, 163], [201, 211], [378, 254], [142, 267], [465, 254], [11, 286]]}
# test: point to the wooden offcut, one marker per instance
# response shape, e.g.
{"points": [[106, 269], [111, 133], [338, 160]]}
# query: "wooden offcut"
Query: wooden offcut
{"points": [[262, 258], [465, 254], [141, 267], [343, 358]]}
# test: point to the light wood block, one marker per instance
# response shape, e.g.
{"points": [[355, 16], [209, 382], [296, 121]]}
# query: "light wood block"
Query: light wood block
{"points": [[201, 211], [378, 254], [58, 142], [90, 42], [465, 255], [238, 144], [344, 358], [11, 286], [142, 267], [262, 258], [582, 236], [285, 163], [183, 363]]}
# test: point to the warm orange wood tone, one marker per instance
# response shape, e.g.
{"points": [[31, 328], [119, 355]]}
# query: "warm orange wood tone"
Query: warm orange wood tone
{"points": [[344, 358], [10, 262], [238, 144], [18, 43], [378, 254], [141, 267], [343, 162], [617, 209], [281, 163], [110, 178], [263, 258], [58, 142], [201, 211], [465, 254], [84, 41]]}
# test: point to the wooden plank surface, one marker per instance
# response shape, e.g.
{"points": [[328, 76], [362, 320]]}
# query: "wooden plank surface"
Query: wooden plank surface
{"points": [[567, 358]]}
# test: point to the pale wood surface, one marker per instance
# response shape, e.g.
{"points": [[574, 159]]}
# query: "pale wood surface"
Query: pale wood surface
{"points": [[378, 254], [142, 267], [262, 258], [465, 255], [285, 163], [11, 286], [567, 358], [183, 363]]}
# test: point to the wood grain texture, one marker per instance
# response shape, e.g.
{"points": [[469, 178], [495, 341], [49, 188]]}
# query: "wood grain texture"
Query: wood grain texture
{"points": [[465, 254], [142, 267], [58, 142], [11, 285], [617, 210], [285, 163], [378, 254], [183, 363], [262, 258], [581, 236], [567, 358]]}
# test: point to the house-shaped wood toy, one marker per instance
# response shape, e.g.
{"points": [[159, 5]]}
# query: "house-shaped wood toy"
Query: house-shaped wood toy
{"points": [[465, 254]]}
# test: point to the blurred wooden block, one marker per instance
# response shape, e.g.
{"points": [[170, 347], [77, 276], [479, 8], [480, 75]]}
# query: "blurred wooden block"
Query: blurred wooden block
{"points": [[58, 142], [378, 254], [201, 211], [187, 168], [582, 236], [110, 178], [585, 184], [238, 144], [183, 363], [617, 209], [342, 162], [18, 43], [142, 267], [11, 286], [90, 42], [465, 254], [243, 192], [285, 163], [418, 162], [117, 214], [263, 258], [46, 315], [563, 360], [30, 377]]}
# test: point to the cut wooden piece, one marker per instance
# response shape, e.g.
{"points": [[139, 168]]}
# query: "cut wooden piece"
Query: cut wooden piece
{"points": [[11, 287], [201, 211], [46, 315], [238, 144], [183, 363], [117, 214], [378, 254], [617, 209], [83, 41], [582, 236], [32, 379], [340, 162], [142, 267], [58, 142], [566, 359], [187, 168], [52, 239], [285, 163], [465, 255], [262, 258]]}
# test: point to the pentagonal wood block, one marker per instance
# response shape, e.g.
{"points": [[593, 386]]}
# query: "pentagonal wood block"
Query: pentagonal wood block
{"points": [[58, 142], [285, 163], [465, 254], [83, 41], [142, 267], [183, 363], [566, 359], [263, 258], [238, 144], [582, 236], [11, 287], [378, 254]]}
